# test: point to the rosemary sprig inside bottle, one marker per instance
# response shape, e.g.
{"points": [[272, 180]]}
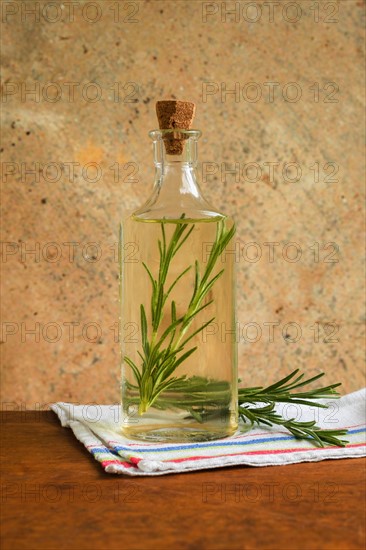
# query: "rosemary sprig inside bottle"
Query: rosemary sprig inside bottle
{"points": [[162, 354]]}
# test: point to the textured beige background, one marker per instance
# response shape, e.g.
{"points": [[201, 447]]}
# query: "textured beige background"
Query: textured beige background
{"points": [[171, 52]]}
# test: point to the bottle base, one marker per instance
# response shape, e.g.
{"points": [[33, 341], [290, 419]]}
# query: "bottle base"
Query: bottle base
{"points": [[176, 434]]}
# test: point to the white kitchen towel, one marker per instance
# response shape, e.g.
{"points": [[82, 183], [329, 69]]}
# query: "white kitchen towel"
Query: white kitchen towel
{"points": [[98, 427]]}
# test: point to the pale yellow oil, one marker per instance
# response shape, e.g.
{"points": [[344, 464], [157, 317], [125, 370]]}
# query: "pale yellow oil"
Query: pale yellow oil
{"points": [[204, 406]]}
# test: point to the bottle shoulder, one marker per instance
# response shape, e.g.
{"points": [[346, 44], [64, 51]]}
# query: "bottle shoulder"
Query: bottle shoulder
{"points": [[176, 194], [176, 206]]}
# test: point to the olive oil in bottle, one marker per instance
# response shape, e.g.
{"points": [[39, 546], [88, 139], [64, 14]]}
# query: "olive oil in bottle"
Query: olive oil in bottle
{"points": [[179, 364]]}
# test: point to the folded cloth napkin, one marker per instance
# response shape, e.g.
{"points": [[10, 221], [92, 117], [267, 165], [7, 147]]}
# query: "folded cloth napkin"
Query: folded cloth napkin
{"points": [[98, 427]]}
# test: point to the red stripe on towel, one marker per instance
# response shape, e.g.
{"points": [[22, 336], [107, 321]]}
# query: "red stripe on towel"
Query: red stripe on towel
{"points": [[259, 453]]}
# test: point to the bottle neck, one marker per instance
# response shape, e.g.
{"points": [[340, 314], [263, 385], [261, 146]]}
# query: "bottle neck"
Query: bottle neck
{"points": [[177, 178], [176, 172]]}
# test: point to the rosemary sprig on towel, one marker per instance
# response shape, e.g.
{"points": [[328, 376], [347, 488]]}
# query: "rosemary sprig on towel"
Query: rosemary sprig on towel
{"points": [[284, 392]]}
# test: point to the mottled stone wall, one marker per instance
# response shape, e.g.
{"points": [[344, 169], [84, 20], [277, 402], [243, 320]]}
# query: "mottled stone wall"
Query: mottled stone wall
{"points": [[292, 130]]}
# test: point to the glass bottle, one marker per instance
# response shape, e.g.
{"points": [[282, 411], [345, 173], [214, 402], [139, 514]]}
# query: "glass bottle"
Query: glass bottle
{"points": [[177, 329]]}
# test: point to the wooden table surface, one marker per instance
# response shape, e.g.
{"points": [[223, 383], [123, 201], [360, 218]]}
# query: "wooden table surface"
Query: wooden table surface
{"points": [[54, 495]]}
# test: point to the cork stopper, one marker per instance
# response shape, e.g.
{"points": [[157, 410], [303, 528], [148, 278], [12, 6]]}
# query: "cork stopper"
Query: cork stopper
{"points": [[175, 114]]}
